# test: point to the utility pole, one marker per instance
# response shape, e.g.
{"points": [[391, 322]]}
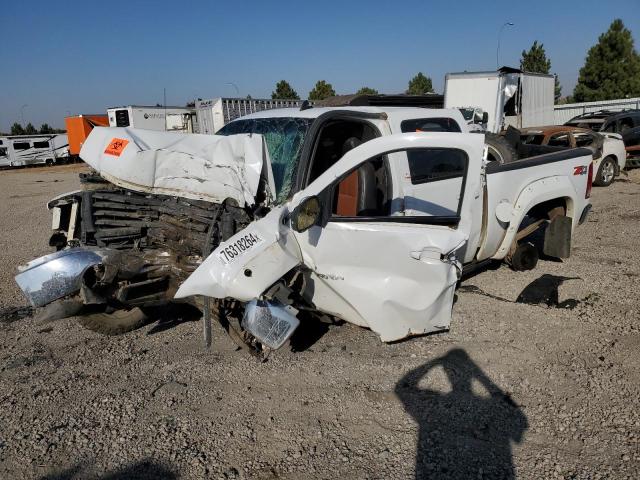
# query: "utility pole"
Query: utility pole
{"points": [[22, 114], [506, 24]]}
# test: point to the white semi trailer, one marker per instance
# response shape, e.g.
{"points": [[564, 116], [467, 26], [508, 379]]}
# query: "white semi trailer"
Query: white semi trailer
{"points": [[164, 119], [215, 113], [508, 96]]}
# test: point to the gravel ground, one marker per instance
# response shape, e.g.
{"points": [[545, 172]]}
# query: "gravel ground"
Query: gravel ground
{"points": [[537, 378]]}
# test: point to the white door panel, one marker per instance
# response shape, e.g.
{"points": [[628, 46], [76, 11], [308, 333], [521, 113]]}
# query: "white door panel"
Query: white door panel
{"points": [[395, 275], [391, 275]]}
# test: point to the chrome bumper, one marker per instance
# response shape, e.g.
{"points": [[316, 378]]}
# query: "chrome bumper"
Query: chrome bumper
{"points": [[57, 275]]}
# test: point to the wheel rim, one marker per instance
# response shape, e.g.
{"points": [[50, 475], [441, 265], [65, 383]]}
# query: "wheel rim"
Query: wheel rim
{"points": [[607, 172], [494, 155]]}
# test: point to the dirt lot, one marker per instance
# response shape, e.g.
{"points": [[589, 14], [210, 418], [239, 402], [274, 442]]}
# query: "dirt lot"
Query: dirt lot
{"points": [[539, 374]]}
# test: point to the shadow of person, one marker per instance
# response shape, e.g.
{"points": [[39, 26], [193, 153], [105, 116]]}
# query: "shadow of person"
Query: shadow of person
{"points": [[462, 434]]}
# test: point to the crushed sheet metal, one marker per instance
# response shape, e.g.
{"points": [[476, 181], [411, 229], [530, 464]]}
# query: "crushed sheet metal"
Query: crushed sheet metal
{"points": [[267, 260], [200, 167]]}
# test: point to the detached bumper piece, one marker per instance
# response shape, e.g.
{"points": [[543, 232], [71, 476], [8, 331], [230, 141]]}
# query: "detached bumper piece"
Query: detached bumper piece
{"points": [[54, 276], [272, 324]]}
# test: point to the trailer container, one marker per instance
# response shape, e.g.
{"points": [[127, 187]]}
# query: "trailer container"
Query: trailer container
{"points": [[213, 114], [509, 96], [79, 127], [169, 119]]}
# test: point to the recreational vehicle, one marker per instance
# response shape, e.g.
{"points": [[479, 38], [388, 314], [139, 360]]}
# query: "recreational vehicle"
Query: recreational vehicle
{"points": [[22, 150]]}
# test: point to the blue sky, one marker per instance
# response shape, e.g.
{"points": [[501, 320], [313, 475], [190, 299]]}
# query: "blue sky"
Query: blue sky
{"points": [[82, 57]]}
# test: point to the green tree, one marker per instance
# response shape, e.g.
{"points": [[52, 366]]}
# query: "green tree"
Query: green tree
{"points": [[45, 128], [419, 85], [536, 61], [611, 69], [16, 129], [321, 91], [30, 129], [367, 91], [284, 91]]}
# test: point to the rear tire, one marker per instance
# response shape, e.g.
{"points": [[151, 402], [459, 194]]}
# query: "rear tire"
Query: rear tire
{"points": [[500, 150], [116, 323], [525, 257], [606, 173]]}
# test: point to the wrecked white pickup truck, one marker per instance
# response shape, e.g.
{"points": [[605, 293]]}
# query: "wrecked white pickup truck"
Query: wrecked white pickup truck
{"points": [[364, 214]]}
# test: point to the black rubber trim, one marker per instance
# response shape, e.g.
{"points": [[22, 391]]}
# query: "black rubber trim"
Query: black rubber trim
{"points": [[495, 167], [450, 221], [585, 213]]}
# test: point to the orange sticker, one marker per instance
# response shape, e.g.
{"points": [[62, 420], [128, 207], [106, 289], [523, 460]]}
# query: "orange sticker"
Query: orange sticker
{"points": [[116, 146]]}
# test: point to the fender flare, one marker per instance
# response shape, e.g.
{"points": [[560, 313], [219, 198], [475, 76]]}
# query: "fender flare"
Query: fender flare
{"points": [[543, 190]]}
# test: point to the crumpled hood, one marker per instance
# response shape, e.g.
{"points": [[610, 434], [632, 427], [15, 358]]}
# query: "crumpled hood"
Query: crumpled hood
{"points": [[199, 167]]}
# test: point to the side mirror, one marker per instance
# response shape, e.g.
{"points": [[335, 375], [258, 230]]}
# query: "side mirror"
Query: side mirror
{"points": [[485, 117], [307, 214]]}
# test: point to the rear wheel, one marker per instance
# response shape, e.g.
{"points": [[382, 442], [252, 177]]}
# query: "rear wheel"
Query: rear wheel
{"points": [[525, 257], [499, 149], [606, 173]]}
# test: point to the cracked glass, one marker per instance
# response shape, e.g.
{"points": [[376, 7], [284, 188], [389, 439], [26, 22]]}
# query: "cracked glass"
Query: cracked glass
{"points": [[284, 138]]}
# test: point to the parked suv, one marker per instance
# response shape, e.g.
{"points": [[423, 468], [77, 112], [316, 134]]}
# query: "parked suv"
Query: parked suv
{"points": [[626, 123], [607, 121]]}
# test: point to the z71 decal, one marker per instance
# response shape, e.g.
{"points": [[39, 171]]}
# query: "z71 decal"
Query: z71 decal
{"points": [[238, 247], [581, 170]]}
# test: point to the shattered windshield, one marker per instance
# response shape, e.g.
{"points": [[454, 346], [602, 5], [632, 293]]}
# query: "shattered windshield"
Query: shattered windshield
{"points": [[284, 138]]}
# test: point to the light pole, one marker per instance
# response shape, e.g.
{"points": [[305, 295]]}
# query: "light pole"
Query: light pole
{"points": [[234, 86], [22, 113], [506, 24]]}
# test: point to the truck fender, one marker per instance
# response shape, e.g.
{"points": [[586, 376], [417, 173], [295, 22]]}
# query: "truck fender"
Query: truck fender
{"points": [[533, 194], [249, 262]]}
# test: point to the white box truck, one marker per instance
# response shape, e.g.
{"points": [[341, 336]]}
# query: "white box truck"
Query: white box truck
{"points": [[215, 113], [164, 119], [509, 97]]}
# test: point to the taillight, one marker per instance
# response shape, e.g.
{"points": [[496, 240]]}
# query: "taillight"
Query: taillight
{"points": [[587, 194]]}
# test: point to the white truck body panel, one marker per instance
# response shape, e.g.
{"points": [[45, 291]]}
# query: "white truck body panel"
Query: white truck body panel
{"points": [[521, 189], [475, 90], [215, 113], [534, 96], [200, 167], [270, 252], [169, 119], [537, 100]]}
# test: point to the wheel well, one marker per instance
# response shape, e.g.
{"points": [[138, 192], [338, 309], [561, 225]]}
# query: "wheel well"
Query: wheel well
{"points": [[537, 228], [544, 210]]}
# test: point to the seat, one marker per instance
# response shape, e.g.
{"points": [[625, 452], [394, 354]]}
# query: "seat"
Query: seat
{"points": [[357, 194]]}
